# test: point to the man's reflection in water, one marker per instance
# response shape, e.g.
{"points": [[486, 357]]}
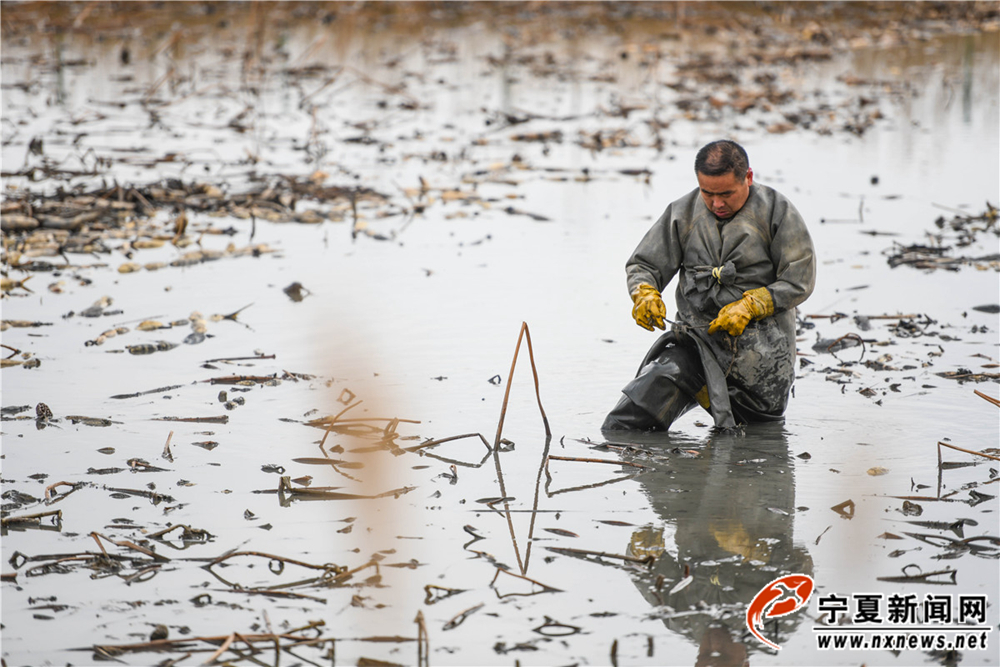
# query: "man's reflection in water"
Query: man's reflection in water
{"points": [[730, 512]]}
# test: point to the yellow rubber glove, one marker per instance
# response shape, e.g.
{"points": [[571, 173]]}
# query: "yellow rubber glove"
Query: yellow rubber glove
{"points": [[648, 311], [756, 304], [702, 398]]}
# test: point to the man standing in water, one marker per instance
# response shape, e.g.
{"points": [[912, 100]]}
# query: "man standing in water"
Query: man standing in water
{"points": [[744, 261]]}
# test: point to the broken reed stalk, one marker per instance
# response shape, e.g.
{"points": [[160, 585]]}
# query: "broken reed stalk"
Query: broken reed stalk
{"points": [[166, 448], [222, 649], [31, 518], [50, 489], [423, 641], [327, 426], [100, 546], [524, 333], [128, 544], [967, 451], [987, 397], [138, 576], [439, 441]]}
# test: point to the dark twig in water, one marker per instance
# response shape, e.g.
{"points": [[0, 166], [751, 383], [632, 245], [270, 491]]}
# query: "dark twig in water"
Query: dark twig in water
{"points": [[615, 480], [548, 475], [51, 488], [222, 419], [838, 316], [274, 594], [329, 422], [545, 588], [31, 518], [849, 336], [187, 643], [439, 441], [944, 498], [236, 379], [582, 460], [320, 493], [459, 618], [253, 358], [155, 497], [158, 390], [232, 315], [534, 504], [187, 532], [648, 560], [127, 544], [327, 566], [145, 574], [923, 577]]}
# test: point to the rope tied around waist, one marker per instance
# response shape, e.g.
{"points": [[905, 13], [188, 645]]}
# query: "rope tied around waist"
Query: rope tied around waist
{"points": [[723, 275]]}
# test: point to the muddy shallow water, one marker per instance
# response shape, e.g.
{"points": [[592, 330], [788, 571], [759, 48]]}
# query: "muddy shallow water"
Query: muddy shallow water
{"points": [[412, 303]]}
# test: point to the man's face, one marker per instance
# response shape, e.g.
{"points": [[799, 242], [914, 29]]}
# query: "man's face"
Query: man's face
{"points": [[724, 195]]}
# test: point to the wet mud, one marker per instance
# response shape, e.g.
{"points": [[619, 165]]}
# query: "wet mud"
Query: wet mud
{"points": [[312, 313]]}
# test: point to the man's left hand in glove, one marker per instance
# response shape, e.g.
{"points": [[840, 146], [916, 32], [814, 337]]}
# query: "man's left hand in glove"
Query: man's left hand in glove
{"points": [[756, 304]]}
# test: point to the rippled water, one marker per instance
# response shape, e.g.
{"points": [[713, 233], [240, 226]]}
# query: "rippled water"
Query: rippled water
{"points": [[423, 328]]}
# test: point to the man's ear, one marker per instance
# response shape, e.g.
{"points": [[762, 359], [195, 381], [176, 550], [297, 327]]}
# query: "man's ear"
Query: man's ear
{"points": [[749, 176]]}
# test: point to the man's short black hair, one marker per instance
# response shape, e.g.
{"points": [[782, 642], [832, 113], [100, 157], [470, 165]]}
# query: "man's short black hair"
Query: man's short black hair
{"points": [[722, 157]]}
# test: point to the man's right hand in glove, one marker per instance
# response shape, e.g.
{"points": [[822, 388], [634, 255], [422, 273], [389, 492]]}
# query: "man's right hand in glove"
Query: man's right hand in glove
{"points": [[648, 310]]}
